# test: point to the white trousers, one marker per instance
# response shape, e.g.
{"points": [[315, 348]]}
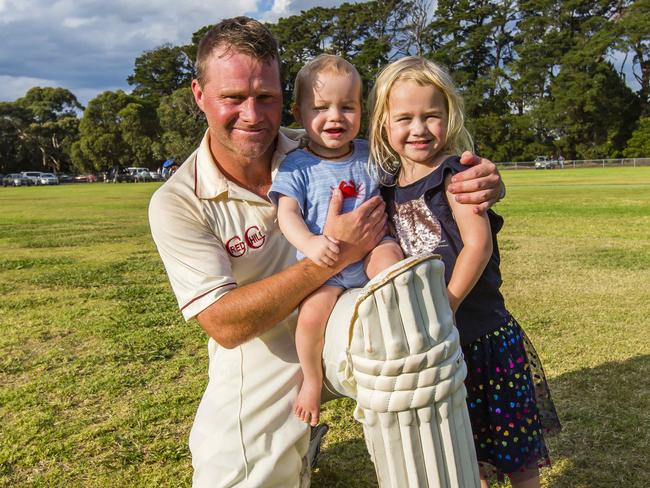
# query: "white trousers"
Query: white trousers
{"points": [[392, 346]]}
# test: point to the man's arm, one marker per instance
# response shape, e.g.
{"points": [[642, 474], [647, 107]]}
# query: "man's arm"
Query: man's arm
{"points": [[248, 311], [480, 185]]}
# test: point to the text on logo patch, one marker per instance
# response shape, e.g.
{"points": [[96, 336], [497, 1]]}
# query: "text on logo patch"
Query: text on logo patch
{"points": [[253, 239]]}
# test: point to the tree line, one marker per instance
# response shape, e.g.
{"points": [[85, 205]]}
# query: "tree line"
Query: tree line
{"points": [[537, 76]]}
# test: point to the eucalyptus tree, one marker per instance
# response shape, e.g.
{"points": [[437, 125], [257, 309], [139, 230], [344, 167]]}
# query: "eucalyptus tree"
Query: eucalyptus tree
{"points": [[182, 124], [45, 122], [161, 71], [116, 129]]}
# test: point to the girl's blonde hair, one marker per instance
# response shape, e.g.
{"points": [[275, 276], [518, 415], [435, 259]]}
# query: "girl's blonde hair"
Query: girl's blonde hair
{"points": [[383, 158]]}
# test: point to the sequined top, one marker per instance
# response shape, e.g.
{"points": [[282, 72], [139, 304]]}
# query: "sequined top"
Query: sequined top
{"points": [[422, 222]]}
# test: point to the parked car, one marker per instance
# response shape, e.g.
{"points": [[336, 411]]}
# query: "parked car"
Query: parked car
{"points": [[89, 178], [542, 162], [65, 178], [140, 174], [118, 174], [16, 179], [33, 175], [48, 179], [155, 176]]}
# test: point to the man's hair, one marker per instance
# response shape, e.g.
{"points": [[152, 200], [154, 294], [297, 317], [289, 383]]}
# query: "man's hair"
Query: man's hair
{"points": [[240, 34], [323, 63]]}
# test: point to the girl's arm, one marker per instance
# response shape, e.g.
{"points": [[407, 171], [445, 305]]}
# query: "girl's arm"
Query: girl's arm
{"points": [[477, 248], [321, 249]]}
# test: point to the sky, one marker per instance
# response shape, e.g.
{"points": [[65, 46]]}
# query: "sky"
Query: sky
{"points": [[89, 46]]}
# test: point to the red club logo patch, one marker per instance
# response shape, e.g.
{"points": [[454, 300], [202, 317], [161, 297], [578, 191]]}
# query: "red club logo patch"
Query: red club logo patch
{"points": [[253, 239], [235, 246]]}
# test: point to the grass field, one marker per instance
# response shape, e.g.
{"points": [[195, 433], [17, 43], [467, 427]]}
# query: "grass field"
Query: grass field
{"points": [[100, 377]]}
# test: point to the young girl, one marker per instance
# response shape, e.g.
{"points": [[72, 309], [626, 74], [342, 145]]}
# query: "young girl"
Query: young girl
{"points": [[417, 131]]}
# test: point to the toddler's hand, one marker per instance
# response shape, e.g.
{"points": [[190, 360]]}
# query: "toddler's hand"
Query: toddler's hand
{"points": [[322, 250]]}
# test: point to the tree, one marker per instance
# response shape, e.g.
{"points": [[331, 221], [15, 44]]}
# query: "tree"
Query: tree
{"points": [[416, 23], [591, 110], [140, 129], [52, 126], [639, 144], [160, 72], [116, 129], [301, 38], [474, 40], [368, 34], [632, 35], [14, 153], [182, 123]]}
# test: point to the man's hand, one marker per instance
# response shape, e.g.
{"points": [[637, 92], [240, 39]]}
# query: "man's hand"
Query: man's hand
{"points": [[480, 185], [358, 231], [322, 250]]}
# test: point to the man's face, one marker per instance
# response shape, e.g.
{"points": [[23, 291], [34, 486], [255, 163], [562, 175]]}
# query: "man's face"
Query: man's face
{"points": [[242, 101]]}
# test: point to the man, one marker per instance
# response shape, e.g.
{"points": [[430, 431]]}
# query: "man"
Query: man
{"points": [[232, 270]]}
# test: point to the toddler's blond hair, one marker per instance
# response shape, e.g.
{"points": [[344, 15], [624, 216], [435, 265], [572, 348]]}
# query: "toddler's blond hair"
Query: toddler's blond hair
{"points": [[323, 63]]}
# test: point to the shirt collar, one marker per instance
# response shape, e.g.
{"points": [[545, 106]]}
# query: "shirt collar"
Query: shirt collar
{"points": [[210, 182]]}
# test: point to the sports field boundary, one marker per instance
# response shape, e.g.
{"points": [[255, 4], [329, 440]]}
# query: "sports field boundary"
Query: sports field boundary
{"points": [[580, 163]]}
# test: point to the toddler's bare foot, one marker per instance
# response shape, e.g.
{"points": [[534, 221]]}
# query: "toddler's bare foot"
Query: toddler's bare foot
{"points": [[307, 406]]}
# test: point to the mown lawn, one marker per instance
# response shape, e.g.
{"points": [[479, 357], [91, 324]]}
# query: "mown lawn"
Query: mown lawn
{"points": [[100, 377]]}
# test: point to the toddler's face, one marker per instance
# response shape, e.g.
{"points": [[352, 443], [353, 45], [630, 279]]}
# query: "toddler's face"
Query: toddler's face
{"points": [[330, 112], [417, 122]]}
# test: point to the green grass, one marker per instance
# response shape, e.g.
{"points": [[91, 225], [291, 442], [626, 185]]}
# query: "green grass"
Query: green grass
{"points": [[100, 377]]}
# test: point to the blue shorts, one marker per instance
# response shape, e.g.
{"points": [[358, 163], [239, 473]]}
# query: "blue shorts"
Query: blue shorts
{"points": [[354, 276]]}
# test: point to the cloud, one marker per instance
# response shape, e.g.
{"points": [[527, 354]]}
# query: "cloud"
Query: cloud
{"points": [[286, 8], [89, 46], [14, 87], [86, 45]]}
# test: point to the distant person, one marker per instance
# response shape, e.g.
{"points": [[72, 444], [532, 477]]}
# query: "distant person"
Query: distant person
{"points": [[416, 134], [235, 273], [113, 172], [327, 103], [561, 161]]}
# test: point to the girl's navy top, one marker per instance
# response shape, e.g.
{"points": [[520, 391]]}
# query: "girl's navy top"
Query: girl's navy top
{"points": [[422, 222]]}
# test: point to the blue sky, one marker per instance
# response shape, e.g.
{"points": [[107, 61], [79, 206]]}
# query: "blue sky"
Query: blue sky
{"points": [[89, 46]]}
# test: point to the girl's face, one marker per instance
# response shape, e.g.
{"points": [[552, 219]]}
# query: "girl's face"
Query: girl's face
{"points": [[416, 126]]}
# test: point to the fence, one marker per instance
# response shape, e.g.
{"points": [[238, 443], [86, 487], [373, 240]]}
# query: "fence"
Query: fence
{"points": [[582, 163]]}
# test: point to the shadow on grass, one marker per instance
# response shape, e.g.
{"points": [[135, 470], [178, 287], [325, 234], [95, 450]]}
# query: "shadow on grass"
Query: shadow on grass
{"points": [[605, 413], [345, 464]]}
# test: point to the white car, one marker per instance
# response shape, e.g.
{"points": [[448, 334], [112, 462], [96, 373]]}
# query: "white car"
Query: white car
{"points": [[48, 179], [139, 174], [16, 179], [542, 162], [33, 175], [155, 176]]}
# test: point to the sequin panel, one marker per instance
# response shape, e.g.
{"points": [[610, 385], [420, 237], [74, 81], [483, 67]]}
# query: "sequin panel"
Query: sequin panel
{"points": [[418, 230]]}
